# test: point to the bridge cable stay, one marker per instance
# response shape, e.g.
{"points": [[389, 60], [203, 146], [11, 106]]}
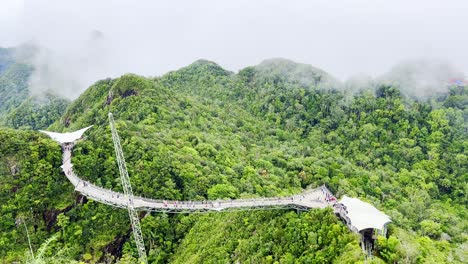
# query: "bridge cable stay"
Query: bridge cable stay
{"points": [[137, 234]]}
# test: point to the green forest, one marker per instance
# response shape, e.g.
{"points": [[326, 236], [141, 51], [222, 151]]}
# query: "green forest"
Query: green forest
{"points": [[202, 132]]}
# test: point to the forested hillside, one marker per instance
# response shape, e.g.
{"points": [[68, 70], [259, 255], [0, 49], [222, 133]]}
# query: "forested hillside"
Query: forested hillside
{"points": [[18, 107], [205, 133]]}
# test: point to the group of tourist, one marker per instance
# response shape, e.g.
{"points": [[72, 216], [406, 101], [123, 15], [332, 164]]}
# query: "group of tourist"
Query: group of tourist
{"points": [[190, 204], [329, 197]]}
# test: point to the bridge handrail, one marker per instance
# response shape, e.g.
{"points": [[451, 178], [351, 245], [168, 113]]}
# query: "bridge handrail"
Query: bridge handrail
{"points": [[86, 188], [201, 202]]}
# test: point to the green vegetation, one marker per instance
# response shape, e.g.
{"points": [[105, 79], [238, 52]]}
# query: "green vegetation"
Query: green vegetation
{"points": [[31, 189], [13, 86], [18, 108], [6, 58], [34, 113], [268, 236], [203, 132]]}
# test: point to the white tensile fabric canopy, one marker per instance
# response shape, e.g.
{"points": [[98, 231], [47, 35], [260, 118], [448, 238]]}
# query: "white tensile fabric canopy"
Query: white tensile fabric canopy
{"points": [[68, 137], [364, 215]]}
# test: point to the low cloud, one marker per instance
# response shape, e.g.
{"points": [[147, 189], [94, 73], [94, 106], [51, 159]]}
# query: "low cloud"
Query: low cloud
{"points": [[422, 78], [69, 70], [153, 37]]}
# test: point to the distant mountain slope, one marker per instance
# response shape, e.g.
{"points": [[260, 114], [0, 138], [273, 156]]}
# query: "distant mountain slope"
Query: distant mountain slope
{"points": [[302, 74], [6, 58], [17, 107], [36, 113], [206, 133], [13, 86]]}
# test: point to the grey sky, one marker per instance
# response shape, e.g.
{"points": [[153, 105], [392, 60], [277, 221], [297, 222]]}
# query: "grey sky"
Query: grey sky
{"points": [[152, 37]]}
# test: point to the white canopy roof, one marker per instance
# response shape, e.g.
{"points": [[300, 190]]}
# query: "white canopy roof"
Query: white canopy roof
{"points": [[66, 137], [363, 215]]}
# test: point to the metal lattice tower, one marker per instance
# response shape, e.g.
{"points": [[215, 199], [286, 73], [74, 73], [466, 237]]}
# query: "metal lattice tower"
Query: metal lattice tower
{"points": [[128, 193]]}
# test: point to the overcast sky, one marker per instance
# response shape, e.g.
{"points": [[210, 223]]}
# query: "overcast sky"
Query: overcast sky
{"points": [[344, 38]]}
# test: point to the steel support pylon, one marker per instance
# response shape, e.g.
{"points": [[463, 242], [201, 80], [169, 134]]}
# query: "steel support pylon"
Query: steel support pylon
{"points": [[128, 193]]}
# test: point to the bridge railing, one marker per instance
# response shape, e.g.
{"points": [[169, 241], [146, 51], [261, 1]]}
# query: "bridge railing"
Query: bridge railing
{"points": [[219, 201], [293, 198], [103, 193], [224, 201]]}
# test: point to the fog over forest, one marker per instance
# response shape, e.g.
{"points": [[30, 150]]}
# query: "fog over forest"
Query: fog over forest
{"points": [[83, 41], [266, 131]]}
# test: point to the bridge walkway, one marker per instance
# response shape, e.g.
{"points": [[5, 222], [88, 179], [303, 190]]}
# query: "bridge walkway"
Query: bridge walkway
{"points": [[310, 198]]}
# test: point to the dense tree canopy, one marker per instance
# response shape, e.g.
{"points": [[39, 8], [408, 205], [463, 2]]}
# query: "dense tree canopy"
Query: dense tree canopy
{"points": [[203, 132], [18, 107]]}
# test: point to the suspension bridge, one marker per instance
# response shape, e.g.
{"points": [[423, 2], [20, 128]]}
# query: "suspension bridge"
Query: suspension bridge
{"points": [[311, 198], [358, 216]]}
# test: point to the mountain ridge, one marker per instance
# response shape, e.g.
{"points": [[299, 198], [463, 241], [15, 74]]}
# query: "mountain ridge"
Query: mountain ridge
{"points": [[205, 133]]}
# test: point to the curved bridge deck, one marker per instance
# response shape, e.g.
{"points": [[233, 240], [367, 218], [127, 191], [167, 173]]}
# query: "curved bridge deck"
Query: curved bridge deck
{"points": [[310, 198]]}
